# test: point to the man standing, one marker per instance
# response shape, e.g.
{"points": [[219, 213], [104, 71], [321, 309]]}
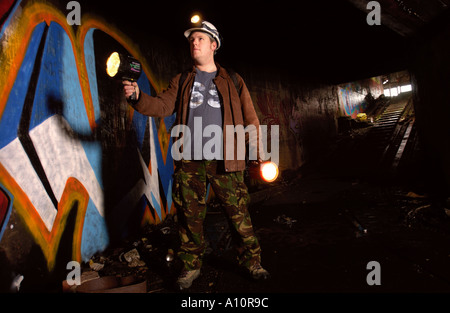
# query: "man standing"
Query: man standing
{"points": [[208, 94]]}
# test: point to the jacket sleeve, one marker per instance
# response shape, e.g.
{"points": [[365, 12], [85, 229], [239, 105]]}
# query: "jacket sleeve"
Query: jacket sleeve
{"points": [[161, 105], [248, 109], [251, 118]]}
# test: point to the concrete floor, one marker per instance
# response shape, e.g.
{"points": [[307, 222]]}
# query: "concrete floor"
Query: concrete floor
{"points": [[311, 242], [318, 235], [313, 246], [312, 230]]}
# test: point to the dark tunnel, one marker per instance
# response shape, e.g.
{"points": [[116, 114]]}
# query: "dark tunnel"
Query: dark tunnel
{"points": [[358, 92]]}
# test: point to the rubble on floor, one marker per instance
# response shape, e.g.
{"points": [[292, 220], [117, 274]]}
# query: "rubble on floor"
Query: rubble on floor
{"points": [[137, 265]]}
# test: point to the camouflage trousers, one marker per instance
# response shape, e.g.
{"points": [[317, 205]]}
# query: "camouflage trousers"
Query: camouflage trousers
{"points": [[189, 196]]}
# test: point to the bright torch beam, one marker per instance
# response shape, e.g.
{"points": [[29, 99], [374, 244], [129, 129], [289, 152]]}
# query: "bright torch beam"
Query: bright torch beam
{"points": [[267, 171], [123, 67]]}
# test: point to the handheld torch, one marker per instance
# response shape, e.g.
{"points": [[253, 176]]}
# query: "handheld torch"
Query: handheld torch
{"points": [[267, 171], [123, 67]]}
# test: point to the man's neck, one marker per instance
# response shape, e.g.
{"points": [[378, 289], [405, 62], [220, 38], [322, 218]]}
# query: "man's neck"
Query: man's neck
{"points": [[209, 67]]}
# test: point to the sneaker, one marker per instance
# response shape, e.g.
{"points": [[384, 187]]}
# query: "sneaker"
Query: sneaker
{"points": [[258, 272], [187, 277]]}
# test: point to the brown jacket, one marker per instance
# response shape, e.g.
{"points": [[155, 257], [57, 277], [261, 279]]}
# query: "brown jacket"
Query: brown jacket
{"points": [[237, 110]]}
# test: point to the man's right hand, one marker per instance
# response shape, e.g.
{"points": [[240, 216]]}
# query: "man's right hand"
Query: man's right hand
{"points": [[129, 88]]}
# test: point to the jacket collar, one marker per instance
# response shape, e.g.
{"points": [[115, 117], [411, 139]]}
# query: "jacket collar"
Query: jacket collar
{"points": [[220, 70]]}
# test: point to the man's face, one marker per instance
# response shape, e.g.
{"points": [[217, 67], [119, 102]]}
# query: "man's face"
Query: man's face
{"points": [[202, 47]]}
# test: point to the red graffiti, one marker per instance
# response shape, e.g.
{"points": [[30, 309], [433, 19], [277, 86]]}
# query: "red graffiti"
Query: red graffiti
{"points": [[5, 5], [267, 107], [4, 204]]}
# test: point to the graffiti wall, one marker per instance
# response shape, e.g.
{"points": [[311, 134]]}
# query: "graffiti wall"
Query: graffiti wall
{"points": [[79, 168], [352, 96], [67, 141]]}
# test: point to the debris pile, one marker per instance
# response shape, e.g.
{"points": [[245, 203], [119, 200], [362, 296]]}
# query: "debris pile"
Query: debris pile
{"points": [[147, 258], [422, 211], [286, 220], [132, 257]]}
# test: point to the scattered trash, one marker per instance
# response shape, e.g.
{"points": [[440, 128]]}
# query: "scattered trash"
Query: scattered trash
{"points": [[360, 230], [170, 255], [165, 230], [283, 219], [430, 216], [15, 285], [447, 212], [416, 210], [412, 194], [132, 257], [96, 266], [362, 117]]}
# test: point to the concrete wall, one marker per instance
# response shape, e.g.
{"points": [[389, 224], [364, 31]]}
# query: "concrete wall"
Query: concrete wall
{"points": [[79, 169], [306, 115], [430, 68]]}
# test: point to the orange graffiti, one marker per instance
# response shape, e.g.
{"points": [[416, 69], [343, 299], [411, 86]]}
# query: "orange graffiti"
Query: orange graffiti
{"points": [[74, 193], [164, 140], [21, 28], [75, 196]]}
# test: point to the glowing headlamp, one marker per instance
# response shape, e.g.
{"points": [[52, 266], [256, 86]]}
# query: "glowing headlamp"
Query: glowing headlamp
{"points": [[123, 67], [195, 19]]}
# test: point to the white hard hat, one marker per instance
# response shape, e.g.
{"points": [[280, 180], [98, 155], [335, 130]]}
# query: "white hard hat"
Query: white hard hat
{"points": [[208, 28]]}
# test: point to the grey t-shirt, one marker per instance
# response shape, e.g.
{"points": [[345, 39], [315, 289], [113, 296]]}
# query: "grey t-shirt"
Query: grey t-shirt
{"points": [[204, 110]]}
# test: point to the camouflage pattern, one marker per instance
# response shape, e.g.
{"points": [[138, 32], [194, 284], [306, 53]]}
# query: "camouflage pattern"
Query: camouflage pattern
{"points": [[189, 196]]}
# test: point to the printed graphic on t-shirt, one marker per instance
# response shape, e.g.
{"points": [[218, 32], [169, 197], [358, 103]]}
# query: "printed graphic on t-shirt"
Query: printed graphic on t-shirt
{"points": [[200, 93]]}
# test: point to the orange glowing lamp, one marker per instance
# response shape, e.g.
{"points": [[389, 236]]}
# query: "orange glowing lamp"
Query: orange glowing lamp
{"points": [[266, 171], [269, 171]]}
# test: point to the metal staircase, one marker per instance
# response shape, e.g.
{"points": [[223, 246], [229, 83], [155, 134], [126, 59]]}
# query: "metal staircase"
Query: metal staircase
{"points": [[391, 132]]}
